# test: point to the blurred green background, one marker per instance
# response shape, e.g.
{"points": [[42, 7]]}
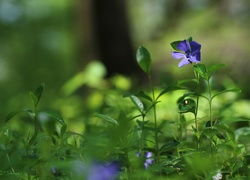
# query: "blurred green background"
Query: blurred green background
{"points": [[62, 42]]}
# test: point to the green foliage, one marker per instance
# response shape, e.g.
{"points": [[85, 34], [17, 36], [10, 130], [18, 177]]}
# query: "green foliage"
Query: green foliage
{"points": [[187, 105], [107, 118], [140, 131], [144, 59], [36, 96]]}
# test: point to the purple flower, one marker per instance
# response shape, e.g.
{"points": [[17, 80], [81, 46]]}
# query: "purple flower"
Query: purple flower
{"points": [[149, 160], [103, 172], [189, 52]]}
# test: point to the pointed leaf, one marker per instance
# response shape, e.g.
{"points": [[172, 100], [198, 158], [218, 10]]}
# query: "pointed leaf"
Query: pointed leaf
{"points": [[225, 91], [189, 39], [53, 116], [144, 59], [169, 146], [214, 67], [6, 137], [201, 70], [63, 129], [36, 96], [209, 132], [174, 45], [107, 118], [141, 123], [180, 82], [143, 95], [14, 113], [137, 103], [32, 140], [170, 88]]}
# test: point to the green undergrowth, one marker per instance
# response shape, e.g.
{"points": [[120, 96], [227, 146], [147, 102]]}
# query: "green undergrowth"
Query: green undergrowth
{"points": [[117, 131]]}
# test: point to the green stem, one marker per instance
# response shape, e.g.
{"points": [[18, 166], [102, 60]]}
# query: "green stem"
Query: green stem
{"points": [[210, 103], [155, 119], [197, 106], [142, 138], [10, 163], [181, 129]]}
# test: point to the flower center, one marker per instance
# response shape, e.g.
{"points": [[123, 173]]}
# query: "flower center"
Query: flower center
{"points": [[188, 56]]}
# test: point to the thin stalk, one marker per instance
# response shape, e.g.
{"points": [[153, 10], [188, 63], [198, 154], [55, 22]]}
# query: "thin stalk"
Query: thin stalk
{"points": [[155, 119], [142, 137], [181, 130], [10, 163], [210, 103], [197, 106]]}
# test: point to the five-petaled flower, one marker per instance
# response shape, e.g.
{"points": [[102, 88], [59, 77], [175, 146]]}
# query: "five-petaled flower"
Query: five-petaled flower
{"points": [[189, 52]]}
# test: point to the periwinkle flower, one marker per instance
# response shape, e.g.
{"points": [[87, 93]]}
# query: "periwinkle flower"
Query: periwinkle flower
{"points": [[149, 160], [189, 52], [103, 172], [95, 170]]}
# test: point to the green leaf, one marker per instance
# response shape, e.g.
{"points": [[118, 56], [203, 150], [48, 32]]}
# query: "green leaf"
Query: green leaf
{"points": [[214, 67], [197, 133], [36, 96], [63, 129], [235, 119], [168, 146], [201, 70], [137, 102], [225, 91], [174, 45], [107, 118], [141, 123], [189, 39], [14, 113], [6, 137], [144, 59], [186, 94], [209, 132], [53, 116], [170, 88], [32, 140], [150, 129], [180, 82], [187, 105], [242, 132], [144, 95]]}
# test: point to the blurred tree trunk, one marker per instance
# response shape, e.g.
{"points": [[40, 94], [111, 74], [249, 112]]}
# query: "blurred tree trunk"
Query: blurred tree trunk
{"points": [[109, 38]]}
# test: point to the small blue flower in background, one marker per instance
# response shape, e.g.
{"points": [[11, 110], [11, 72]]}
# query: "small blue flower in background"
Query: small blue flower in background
{"points": [[149, 160], [95, 170], [189, 52], [103, 172]]}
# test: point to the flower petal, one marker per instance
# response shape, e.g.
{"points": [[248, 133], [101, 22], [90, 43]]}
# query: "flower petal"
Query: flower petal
{"points": [[184, 46], [196, 57], [184, 62], [178, 55], [195, 46]]}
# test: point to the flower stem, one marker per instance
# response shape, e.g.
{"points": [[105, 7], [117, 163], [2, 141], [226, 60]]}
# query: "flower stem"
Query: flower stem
{"points": [[155, 119], [197, 106], [142, 139], [210, 103]]}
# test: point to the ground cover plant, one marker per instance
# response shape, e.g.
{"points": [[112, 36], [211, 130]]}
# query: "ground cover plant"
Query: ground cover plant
{"points": [[130, 136]]}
